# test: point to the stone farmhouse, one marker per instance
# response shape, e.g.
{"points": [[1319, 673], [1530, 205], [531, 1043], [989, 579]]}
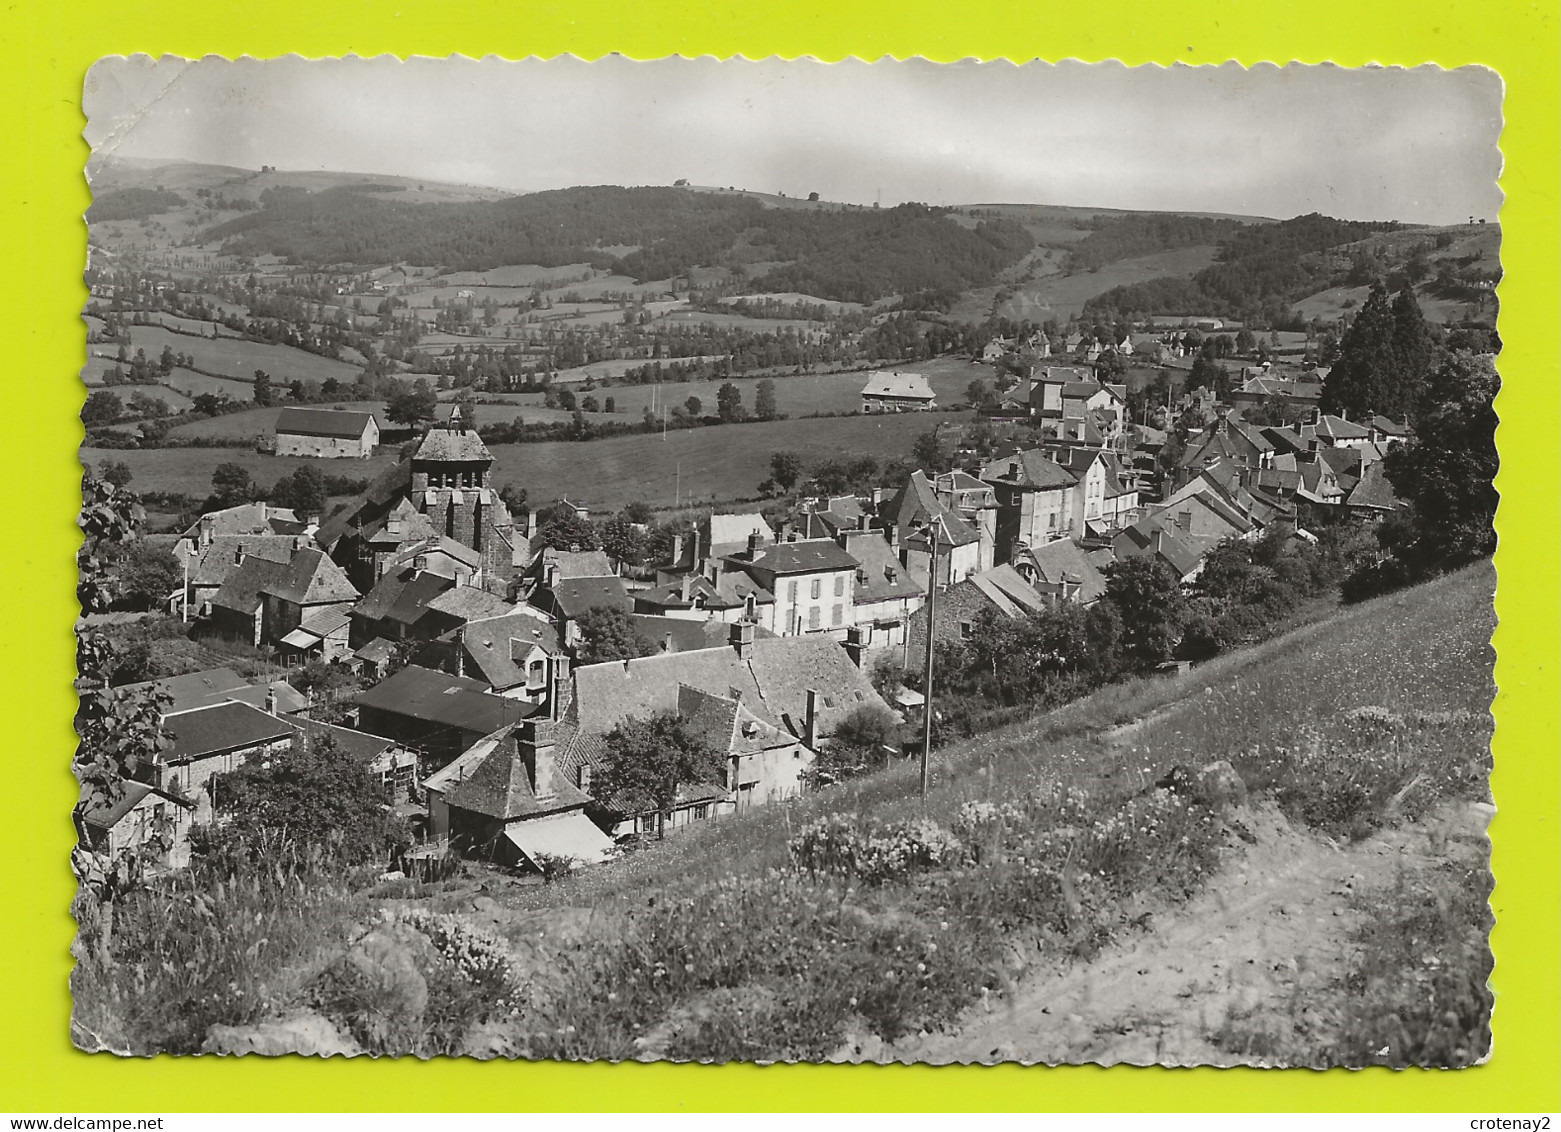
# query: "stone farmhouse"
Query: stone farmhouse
{"points": [[330, 433]]}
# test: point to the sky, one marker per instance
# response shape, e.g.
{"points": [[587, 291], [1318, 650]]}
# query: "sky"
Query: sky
{"points": [[1417, 145]]}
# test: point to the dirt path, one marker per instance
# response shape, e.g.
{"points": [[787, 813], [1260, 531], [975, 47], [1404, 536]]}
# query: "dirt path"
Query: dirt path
{"points": [[1238, 959]]}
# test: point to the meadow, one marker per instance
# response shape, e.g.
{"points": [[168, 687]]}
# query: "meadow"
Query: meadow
{"points": [[239, 358], [262, 422], [701, 466], [188, 470]]}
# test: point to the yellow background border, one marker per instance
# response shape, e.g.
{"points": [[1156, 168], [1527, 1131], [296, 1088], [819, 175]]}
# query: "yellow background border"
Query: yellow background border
{"points": [[48, 47]]}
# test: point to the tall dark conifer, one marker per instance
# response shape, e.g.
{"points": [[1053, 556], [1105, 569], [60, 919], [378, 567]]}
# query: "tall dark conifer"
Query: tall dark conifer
{"points": [[1356, 384], [1414, 354]]}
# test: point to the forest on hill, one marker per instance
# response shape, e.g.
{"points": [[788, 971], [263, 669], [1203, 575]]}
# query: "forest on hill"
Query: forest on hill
{"points": [[1114, 238], [858, 255], [1261, 269], [131, 204]]}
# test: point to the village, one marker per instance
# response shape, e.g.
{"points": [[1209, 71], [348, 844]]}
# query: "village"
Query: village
{"points": [[454, 649]]}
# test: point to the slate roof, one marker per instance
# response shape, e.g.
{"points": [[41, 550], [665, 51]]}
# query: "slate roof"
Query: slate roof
{"points": [[402, 595], [774, 682], [487, 643], [1337, 428], [687, 635], [309, 577], [1181, 552], [369, 509], [438, 697], [323, 422], [917, 502], [469, 603], [324, 622], [573, 597], [805, 556], [498, 785], [447, 447], [192, 689], [1374, 491], [886, 384], [1006, 588], [1036, 470], [873, 582], [376, 651], [435, 544], [221, 727], [130, 794], [1065, 561], [248, 519], [359, 745]]}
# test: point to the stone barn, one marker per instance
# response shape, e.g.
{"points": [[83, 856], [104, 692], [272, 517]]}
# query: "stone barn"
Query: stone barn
{"points": [[326, 432]]}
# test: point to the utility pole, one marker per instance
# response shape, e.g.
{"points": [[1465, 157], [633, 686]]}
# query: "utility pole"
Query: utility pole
{"points": [[934, 533]]}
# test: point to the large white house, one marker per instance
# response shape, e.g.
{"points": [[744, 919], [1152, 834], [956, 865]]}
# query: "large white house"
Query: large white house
{"points": [[895, 392]]}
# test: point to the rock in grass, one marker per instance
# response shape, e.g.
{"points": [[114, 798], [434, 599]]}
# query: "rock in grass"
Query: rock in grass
{"points": [[1219, 785]]}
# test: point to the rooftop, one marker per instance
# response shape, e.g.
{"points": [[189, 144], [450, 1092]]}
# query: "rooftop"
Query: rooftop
{"points": [[221, 727], [437, 697], [805, 556], [323, 422], [887, 384]]}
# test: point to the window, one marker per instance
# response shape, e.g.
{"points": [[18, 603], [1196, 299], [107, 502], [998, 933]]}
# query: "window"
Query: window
{"points": [[813, 617], [818, 588], [966, 630], [840, 585], [837, 615], [702, 811], [647, 823]]}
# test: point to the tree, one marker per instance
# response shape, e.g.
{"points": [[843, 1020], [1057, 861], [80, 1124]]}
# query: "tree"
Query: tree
{"points": [[608, 633], [101, 408], [623, 541], [1148, 598], [647, 760], [1447, 473], [412, 406], [303, 491], [1364, 378], [609, 405], [694, 406], [786, 469], [143, 404], [929, 455], [566, 531], [116, 472], [147, 575], [857, 746], [231, 484], [207, 404], [1246, 344], [313, 795], [264, 394], [729, 402], [976, 392], [764, 400]]}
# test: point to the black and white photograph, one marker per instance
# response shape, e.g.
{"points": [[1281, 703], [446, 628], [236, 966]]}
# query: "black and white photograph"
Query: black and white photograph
{"points": [[780, 561]]}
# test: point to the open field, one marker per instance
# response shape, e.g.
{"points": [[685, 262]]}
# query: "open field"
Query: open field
{"points": [[189, 470], [239, 358], [713, 465], [1335, 302], [1063, 296]]}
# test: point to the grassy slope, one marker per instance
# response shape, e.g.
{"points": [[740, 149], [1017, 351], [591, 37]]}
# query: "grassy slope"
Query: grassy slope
{"points": [[1424, 649]]}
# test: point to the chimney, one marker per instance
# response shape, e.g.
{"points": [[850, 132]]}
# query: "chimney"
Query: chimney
{"points": [[208, 528], [810, 726], [677, 550], [265, 511], [686, 587], [1156, 540], [536, 750], [1015, 470], [754, 541], [741, 639], [420, 562], [666, 644], [561, 690], [271, 699], [531, 524], [583, 777], [238, 555], [858, 639], [550, 574]]}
